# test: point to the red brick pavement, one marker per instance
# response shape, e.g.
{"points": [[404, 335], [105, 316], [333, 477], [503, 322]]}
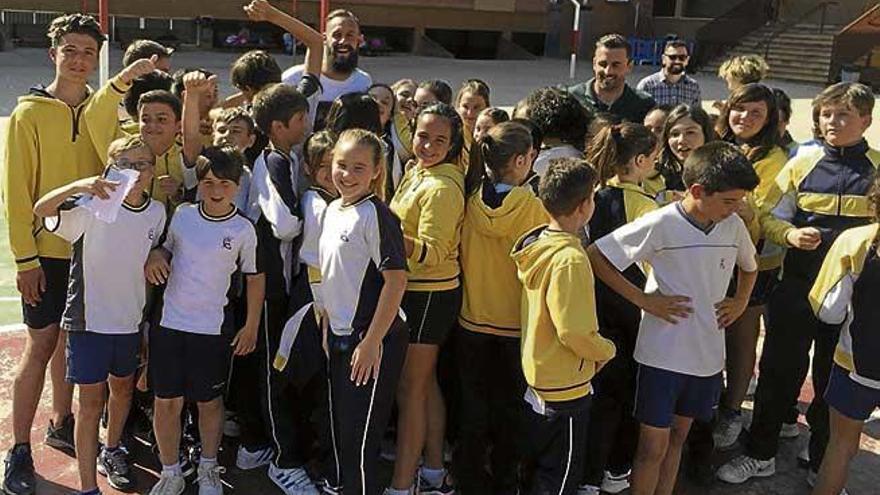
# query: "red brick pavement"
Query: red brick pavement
{"points": [[59, 476]]}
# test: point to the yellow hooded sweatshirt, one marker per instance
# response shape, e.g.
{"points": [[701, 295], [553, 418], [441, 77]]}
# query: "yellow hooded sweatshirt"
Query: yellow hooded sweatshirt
{"points": [[492, 292], [430, 205], [50, 144], [560, 343]]}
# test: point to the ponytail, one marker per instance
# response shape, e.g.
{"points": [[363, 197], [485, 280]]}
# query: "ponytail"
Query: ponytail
{"points": [[614, 146], [491, 155]]}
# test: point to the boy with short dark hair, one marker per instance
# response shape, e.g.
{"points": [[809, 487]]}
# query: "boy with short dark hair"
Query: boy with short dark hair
{"points": [[561, 345], [206, 244], [105, 301], [692, 247], [159, 115], [139, 49], [54, 137], [283, 114], [818, 194]]}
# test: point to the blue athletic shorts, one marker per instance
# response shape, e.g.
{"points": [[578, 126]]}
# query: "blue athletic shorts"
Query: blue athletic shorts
{"points": [[850, 398], [662, 394], [92, 357]]}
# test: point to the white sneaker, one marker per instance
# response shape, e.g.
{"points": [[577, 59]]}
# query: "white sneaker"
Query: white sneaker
{"points": [[294, 481], [169, 484], [742, 468], [728, 430], [588, 490], [246, 459], [789, 430], [813, 478], [209, 479], [615, 483]]}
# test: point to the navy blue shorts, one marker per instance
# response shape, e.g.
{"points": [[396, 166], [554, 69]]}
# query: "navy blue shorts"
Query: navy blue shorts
{"points": [[850, 398], [92, 357], [662, 394], [189, 365]]}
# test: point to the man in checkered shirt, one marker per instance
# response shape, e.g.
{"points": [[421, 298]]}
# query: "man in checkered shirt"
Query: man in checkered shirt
{"points": [[670, 85]]}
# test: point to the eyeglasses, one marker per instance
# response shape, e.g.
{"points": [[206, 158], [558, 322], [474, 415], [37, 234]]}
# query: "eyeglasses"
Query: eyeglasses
{"points": [[124, 164], [681, 58]]}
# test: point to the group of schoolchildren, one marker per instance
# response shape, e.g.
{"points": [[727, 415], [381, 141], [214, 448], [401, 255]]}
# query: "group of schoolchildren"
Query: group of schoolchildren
{"points": [[546, 295]]}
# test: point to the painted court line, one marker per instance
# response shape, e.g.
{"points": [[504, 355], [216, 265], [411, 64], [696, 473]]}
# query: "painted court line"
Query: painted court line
{"points": [[12, 328]]}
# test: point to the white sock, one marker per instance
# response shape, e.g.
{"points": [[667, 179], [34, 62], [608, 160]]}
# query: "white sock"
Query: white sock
{"points": [[207, 462], [433, 476], [172, 470], [392, 491]]}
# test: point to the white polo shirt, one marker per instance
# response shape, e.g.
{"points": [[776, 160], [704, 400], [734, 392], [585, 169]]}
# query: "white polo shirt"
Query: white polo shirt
{"points": [[686, 261], [107, 289], [358, 242], [205, 251]]}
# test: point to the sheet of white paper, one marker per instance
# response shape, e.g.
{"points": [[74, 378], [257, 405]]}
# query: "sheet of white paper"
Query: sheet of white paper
{"points": [[106, 209]]}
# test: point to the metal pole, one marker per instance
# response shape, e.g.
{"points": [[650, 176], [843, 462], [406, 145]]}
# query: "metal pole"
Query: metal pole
{"points": [[325, 9], [575, 38], [104, 19]]}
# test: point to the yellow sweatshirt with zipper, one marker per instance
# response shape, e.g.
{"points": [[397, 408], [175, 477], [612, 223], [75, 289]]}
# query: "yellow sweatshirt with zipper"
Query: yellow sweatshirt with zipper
{"points": [[430, 205], [50, 144], [492, 291], [560, 342]]}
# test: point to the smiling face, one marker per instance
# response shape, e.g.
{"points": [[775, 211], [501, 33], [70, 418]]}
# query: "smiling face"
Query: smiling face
{"points": [[405, 94], [675, 60], [482, 126], [611, 67], [841, 125], [469, 107], [75, 57], [218, 194], [235, 133], [746, 119], [385, 99], [141, 160], [432, 140], [159, 126], [717, 206], [354, 170], [342, 40], [684, 137], [323, 176]]}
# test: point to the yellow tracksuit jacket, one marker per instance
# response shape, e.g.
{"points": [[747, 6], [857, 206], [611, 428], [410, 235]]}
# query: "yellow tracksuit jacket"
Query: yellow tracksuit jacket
{"points": [[492, 291], [430, 205], [560, 342], [50, 144]]}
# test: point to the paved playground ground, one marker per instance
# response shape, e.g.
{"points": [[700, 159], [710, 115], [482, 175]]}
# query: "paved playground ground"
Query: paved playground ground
{"points": [[510, 81]]}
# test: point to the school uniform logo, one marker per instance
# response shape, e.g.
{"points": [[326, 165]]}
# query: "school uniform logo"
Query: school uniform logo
{"points": [[227, 243]]}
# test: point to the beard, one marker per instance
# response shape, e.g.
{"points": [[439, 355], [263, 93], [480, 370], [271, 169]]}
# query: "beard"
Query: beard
{"points": [[610, 83], [675, 69], [345, 63]]}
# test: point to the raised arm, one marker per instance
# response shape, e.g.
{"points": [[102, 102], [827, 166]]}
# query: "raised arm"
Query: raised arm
{"points": [[262, 10], [194, 84]]}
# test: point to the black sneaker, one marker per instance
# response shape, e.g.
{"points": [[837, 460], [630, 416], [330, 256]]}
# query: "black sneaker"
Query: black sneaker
{"points": [[19, 478], [61, 436], [114, 465]]}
